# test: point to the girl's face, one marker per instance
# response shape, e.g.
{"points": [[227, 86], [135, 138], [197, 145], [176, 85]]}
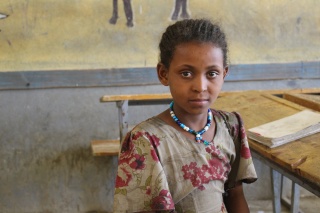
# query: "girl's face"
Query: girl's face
{"points": [[195, 77]]}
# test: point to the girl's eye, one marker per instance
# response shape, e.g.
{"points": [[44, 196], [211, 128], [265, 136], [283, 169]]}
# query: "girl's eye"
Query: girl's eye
{"points": [[186, 74], [213, 74]]}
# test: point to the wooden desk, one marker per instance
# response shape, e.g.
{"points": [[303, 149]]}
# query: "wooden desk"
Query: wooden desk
{"points": [[298, 160], [100, 147]]}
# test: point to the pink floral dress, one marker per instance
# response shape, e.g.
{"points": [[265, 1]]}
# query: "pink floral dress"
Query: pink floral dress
{"points": [[160, 169]]}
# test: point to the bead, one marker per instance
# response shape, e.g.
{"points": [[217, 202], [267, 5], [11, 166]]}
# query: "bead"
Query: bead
{"points": [[198, 135]]}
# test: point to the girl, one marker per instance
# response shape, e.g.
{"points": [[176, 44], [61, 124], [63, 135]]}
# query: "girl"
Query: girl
{"points": [[189, 158]]}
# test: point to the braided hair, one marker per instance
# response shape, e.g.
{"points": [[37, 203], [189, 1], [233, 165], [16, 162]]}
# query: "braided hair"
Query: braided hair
{"points": [[191, 30]]}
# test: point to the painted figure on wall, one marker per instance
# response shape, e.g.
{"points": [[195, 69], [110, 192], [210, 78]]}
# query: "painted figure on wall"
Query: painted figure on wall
{"points": [[180, 4], [127, 11], [3, 16]]}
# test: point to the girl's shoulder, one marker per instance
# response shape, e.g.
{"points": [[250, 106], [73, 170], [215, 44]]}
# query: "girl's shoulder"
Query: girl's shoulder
{"points": [[149, 125], [232, 120], [231, 117]]}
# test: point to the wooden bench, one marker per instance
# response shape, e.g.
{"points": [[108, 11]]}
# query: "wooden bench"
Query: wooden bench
{"points": [[105, 147], [111, 146]]}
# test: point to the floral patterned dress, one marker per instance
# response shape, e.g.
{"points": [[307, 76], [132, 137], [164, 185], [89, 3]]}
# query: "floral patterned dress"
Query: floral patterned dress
{"points": [[160, 169]]}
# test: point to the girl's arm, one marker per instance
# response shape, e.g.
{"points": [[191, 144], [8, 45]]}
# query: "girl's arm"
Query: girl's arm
{"points": [[235, 200]]}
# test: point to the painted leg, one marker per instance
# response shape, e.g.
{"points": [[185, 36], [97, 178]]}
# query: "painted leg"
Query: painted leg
{"points": [[184, 13], [176, 10], [128, 12], [3, 16], [276, 189], [114, 17]]}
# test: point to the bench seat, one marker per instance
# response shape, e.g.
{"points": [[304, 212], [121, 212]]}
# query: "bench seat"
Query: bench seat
{"points": [[105, 147]]}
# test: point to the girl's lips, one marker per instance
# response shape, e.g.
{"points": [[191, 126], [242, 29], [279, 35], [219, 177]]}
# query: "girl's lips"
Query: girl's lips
{"points": [[199, 101]]}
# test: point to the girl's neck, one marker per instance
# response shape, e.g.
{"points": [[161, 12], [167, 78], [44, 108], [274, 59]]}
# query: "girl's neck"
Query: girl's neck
{"points": [[195, 122]]}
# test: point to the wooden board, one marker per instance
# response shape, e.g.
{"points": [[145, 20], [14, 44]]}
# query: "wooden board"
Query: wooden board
{"points": [[105, 147], [306, 100], [301, 157], [135, 97], [275, 74], [166, 96]]}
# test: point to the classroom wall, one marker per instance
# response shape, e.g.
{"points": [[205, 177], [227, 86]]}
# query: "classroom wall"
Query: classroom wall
{"points": [[46, 163]]}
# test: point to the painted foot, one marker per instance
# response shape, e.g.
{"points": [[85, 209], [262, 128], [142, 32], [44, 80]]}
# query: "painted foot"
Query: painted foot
{"points": [[185, 15], [129, 24], [174, 17], [113, 20]]}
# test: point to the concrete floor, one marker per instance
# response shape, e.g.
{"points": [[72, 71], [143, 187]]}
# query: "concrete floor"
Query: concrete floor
{"points": [[310, 204]]}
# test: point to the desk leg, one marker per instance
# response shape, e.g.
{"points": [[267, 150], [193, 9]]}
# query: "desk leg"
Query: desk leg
{"points": [[123, 118], [276, 184], [295, 196]]}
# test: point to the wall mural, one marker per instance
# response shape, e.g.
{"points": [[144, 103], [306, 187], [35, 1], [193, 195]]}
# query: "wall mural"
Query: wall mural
{"points": [[38, 35], [180, 5], [2, 16], [127, 11]]}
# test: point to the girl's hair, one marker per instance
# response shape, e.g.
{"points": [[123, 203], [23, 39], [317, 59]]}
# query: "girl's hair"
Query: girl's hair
{"points": [[188, 30]]}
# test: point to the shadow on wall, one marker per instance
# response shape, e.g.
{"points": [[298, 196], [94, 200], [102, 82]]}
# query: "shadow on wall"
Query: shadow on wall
{"points": [[51, 181]]}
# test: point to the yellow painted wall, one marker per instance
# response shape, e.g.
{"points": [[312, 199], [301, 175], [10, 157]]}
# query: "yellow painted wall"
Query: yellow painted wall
{"points": [[76, 34]]}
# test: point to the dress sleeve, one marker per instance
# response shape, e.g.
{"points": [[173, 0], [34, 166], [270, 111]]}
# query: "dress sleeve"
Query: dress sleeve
{"points": [[141, 184], [242, 169]]}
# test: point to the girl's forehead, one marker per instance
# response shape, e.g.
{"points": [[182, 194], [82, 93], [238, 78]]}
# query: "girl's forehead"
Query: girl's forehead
{"points": [[197, 55], [197, 43], [192, 47]]}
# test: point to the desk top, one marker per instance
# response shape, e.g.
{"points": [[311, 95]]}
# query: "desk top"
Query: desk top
{"points": [[300, 158], [164, 96]]}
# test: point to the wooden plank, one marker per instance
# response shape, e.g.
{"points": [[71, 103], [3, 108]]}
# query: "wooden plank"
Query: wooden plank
{"points": [[167, 96], [301, 157], [247, 73], [105, 147], [274, 71], [306, 100], [135, 97]]}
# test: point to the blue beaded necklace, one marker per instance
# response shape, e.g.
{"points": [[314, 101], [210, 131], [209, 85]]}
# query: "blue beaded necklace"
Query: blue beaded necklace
{"points": [[188, 129]]}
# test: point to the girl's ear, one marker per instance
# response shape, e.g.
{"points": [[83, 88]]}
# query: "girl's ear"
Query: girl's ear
{"points": [[163, 74], [225, 72]]}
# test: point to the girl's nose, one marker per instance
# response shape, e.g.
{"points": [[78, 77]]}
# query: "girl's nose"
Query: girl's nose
{"points": [[200, 84]]}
